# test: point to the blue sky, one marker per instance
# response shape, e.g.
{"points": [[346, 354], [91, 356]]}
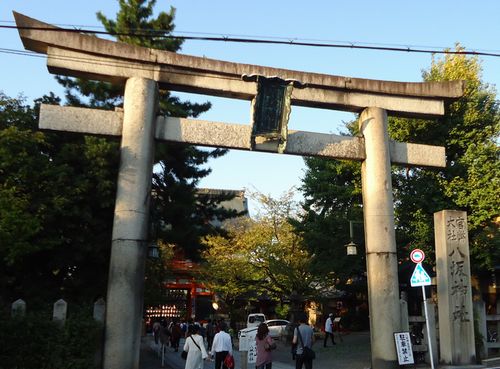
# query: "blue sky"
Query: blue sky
{"points": [[423, 23]]}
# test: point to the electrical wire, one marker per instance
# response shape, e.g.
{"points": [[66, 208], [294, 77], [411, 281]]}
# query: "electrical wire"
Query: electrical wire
{"points": [[114, 63], [266, 40], [21, 52]]}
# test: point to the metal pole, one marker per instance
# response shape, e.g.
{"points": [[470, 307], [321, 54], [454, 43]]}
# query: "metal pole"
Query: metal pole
{"points": [[429, 343], [244, 359]]}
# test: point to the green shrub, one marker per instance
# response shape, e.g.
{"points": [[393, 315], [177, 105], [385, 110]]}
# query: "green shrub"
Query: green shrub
{"points": [[35, 342]]}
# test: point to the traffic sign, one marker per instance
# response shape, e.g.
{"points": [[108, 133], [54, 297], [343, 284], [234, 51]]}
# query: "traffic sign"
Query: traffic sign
{"points": [[417, 256], [420, 277]]}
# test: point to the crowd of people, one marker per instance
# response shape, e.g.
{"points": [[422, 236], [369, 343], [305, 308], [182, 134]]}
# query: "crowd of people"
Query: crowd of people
{"points": [[211, 341], [203, 341]]}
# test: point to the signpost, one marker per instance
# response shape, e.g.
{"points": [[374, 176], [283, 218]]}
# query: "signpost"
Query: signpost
{"points": [[404, 348], [417, 256], [421, 278], [248, 346]]}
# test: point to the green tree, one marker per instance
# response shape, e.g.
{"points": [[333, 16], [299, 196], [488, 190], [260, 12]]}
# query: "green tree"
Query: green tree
{"points": [[332, 193], [469, 131], [261, 257], [57, 189], [154, 284], [56, 199], [179, 168]]}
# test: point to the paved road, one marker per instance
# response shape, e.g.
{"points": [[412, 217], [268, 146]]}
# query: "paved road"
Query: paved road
{"points": [[352, 353]]}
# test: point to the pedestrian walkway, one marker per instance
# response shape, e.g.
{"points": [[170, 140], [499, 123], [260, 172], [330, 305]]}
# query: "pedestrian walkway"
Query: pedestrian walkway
{"points": [[352, 353]]}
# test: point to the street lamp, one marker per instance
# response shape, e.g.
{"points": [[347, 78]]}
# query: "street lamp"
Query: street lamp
{"points": [[351, 247], [153, 251]]}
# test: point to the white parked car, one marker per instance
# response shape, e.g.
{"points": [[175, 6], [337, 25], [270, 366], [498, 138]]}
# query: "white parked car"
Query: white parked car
{"points": [[277, 327]]}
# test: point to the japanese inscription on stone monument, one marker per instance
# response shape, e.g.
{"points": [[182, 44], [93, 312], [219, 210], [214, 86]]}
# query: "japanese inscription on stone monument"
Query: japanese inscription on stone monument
{"points": [[456, 323], [456, 233]]}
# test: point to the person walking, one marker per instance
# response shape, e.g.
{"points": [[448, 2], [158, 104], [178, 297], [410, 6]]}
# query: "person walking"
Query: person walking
{"points": [[221, 346], [210, 333], [329, 330], [164, 333], [176, 335], [195, 348], [156, 331], [265, 346], [303, 336]]}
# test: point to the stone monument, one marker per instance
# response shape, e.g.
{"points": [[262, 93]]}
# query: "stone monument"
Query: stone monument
{"points": [[456, 321]]}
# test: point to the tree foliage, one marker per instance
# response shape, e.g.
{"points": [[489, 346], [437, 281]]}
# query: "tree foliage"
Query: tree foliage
{"points": [[56, 201], [154, 284], [57, 190], [259, 258], [469, 131], [332, 192], [179, 168]]}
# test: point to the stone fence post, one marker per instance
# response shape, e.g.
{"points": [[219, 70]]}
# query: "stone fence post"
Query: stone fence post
{"points": [[99, 310], [18, 308], [60, 311], [99, 316], [405, 324]]}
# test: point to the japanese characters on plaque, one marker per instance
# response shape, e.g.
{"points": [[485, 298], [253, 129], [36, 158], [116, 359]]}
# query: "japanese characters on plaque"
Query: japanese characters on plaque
{"points": [[247, 343], [252, 352], [456, 235], [404, 348]]}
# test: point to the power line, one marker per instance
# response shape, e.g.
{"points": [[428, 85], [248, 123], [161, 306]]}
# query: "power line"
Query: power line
{"points": [[263, 37], [105, 63], [21, 52], [267, 40]]}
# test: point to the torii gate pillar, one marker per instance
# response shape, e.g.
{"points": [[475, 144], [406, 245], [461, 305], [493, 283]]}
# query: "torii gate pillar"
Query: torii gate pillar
{"points": [[130, 226], [380, 240]]}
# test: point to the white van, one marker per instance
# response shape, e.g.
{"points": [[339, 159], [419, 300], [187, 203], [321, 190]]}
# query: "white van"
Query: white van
{"points": [[253, 320]]}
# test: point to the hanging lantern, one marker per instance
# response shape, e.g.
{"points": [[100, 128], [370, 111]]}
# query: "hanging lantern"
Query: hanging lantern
{"points": [[153, 251], [351, 248]]}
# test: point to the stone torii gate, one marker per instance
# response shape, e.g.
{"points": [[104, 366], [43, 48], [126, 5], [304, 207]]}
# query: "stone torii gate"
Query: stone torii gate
{"points": [[142, 71]]}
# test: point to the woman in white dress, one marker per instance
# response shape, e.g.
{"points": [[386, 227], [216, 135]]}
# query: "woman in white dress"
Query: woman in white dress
{"points": [[195, 348]]}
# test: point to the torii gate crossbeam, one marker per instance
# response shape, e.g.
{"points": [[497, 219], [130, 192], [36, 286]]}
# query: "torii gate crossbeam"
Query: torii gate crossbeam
{"points": [[79, 55], [141, 70]]}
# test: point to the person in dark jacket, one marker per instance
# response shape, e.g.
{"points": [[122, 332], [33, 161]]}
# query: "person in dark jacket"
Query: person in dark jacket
{"points": [[176, 335]]}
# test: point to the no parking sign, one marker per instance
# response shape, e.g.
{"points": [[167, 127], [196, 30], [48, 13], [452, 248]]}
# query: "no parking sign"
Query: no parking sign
{"points": [[417, 256]]}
